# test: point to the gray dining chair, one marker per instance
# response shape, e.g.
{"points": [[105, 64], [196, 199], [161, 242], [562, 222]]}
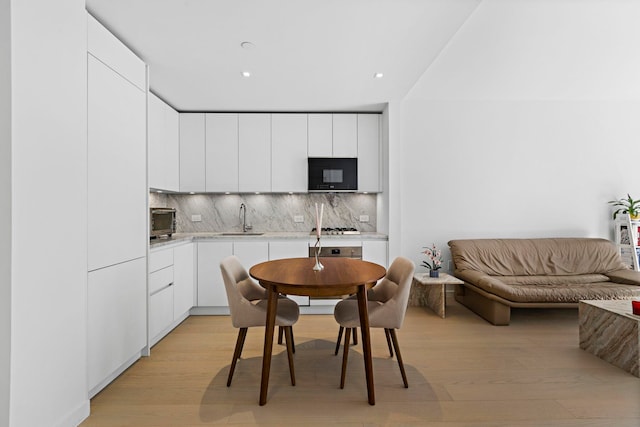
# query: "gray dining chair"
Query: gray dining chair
{"points": [[248, 308], [386, 303]]}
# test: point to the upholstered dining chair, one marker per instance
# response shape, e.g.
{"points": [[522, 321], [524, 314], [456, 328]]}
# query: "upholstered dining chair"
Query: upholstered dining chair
{"points": [[387, 304], [248, 308]]}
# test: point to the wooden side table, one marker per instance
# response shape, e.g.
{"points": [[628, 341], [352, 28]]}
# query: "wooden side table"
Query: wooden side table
{"points": [[431, 291]]}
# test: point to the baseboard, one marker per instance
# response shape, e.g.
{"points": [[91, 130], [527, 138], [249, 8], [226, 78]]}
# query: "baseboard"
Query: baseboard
{"points": [[77, 416], [115, 374]]}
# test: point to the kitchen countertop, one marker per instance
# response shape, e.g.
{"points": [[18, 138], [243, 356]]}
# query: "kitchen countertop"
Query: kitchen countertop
{"points": [[270, 235]]}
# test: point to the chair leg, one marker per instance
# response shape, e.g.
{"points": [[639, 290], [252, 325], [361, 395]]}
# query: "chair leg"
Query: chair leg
{"points": [[394, 338], [242, 334], [293, 343], [280, 331], [288, 332], [386, 334], [355, 336], [345, 355], [339, 339]]}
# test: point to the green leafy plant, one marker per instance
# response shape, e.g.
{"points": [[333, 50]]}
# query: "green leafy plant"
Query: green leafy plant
{"points": [[626, 206]]}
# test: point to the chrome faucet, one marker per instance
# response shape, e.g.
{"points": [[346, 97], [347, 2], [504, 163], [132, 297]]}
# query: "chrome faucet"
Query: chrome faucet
{"points": [[243, 218]]}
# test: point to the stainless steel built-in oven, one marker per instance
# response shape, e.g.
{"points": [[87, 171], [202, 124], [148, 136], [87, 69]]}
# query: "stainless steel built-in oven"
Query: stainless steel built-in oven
{"points": [[334, 251], [162, 222]]}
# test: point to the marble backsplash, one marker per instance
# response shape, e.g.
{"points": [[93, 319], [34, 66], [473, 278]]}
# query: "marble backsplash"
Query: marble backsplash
{"points": [[268, 212]]}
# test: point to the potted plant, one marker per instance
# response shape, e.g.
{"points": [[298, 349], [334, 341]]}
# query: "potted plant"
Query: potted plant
{"points": [[434, 261], [627, 206]]}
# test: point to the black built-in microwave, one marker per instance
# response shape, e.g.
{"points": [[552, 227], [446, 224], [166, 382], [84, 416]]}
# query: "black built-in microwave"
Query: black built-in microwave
{"points": [[333, 174]]}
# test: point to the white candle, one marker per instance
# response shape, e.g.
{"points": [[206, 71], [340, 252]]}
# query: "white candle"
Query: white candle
{"points": [[321, 213], [317, 222]]}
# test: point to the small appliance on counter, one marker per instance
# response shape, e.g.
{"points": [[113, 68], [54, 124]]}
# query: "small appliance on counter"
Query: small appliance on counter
{"points": [[162, 222]]}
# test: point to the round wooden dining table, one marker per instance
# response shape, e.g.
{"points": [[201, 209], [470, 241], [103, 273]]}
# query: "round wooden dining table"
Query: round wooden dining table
{"points": [[296, 276]]}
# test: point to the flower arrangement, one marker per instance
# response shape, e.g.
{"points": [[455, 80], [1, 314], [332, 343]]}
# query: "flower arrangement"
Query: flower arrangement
{"points": [[434, 256]]}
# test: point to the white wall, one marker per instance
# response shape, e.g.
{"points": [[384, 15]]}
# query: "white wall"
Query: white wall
{"points": [[49, 237], [525, 126], [5, 213]]}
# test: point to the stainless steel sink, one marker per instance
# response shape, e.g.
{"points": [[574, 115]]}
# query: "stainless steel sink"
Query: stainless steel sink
{"points": [[242, 233]]}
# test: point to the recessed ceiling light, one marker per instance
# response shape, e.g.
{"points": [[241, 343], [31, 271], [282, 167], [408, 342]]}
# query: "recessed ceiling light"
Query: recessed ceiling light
{"points": [[247, 45], [246, 74], [378, 75]]}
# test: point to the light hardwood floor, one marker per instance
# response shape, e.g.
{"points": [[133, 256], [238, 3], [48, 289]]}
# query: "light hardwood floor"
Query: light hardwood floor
{"points": [[462, 371]]}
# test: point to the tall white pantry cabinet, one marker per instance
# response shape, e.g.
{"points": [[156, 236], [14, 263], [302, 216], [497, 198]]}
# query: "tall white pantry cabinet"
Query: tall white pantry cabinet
{"points": [[117, 187]]}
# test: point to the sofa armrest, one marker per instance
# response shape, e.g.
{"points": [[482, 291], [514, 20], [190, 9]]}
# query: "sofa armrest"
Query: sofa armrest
{"points": [[627, 277]]}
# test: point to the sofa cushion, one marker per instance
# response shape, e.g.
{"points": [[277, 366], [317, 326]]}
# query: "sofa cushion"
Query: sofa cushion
{"points": [[535, 257], [564, 293], [578, 279]]}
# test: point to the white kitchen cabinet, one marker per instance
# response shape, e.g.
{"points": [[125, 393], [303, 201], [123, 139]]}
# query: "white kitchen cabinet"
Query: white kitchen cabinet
{"points": [[164, 145], [160, 313], [171, 288], [111, 51], [251, 253], [183, 280], [290, 249], [211, 291], [221, 152], [320, 135], [254, 139], [345, 135], [369, 153], [288, 153], [333, 135], [192, 152], [375, 251], [117, 320], [117, 175]]}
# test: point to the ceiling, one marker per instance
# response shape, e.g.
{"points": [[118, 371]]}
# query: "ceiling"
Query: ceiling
{"points": [[307, 55]]}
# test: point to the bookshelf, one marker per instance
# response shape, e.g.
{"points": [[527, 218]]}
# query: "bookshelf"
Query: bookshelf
{"points": [[627, 235]]}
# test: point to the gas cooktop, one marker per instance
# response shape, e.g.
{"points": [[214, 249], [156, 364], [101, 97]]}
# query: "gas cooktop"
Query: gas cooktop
{"points": [[336, 230]]}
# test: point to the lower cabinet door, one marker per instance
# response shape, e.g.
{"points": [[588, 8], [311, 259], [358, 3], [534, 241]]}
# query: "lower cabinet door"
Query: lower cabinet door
{"points": [[183, 279], [160, 312], [117, 317], [211, 292]]}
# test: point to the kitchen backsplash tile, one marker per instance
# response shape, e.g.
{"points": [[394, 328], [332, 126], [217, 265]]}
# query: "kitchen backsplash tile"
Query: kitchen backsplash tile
{"points": [[268, 212]]}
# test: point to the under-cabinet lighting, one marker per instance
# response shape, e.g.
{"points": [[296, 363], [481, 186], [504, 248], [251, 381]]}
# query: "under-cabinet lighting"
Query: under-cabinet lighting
{"points": [[246, 74], [227, 192], [192, 192]]}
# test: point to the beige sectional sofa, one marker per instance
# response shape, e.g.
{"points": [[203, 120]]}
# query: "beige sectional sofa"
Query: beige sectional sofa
{"points": [[553, 272]]}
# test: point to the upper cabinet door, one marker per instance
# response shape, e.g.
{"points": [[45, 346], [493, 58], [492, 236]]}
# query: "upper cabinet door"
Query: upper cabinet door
{"points": [[369, 152], [192, 152], [320, 135], [255, 152], [109, 50], [345, 135], [164, 148], [288, 153], [172, 148], [157, 149], [222, 152], [117, 173]]}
